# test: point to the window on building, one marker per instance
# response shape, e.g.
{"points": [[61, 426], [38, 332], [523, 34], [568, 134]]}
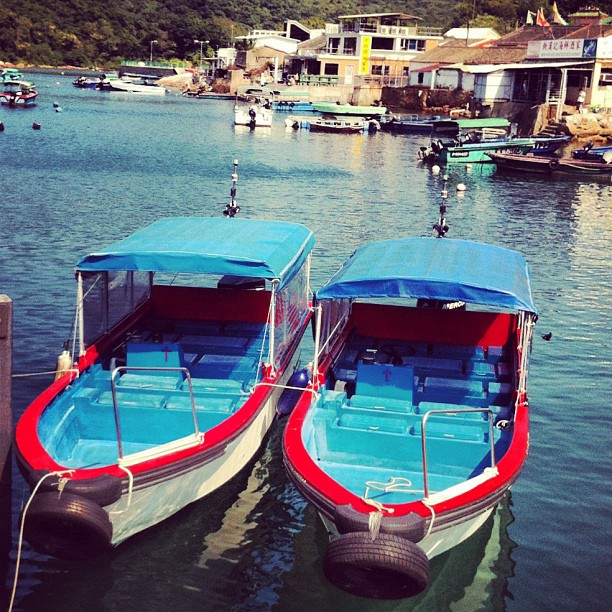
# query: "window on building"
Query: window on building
{"points": [[412, 44], [333, 44], [377, 69], [350, 46], [420, 78], [384, 44], [331, 69]]}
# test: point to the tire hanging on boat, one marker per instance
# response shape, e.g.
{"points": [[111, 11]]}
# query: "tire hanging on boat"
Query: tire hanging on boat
{"points": [[553, 164], [67, 526], [389, 567], [410, 527]]}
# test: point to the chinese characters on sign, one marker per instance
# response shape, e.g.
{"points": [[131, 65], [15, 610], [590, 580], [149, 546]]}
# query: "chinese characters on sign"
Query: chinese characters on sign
{"points": [[569, 49]]}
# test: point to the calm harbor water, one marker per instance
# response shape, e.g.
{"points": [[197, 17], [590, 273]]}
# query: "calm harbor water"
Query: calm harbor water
{"points": [[108, 164]]}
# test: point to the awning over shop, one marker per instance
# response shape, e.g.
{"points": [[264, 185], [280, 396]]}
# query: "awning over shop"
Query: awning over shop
{"points": [[488, 68]]}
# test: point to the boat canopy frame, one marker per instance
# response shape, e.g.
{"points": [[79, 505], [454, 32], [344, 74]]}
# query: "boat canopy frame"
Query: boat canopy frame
{"points": [[272, 251]]}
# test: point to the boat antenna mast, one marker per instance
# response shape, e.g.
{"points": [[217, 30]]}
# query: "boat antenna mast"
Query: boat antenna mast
{"points": [[441, 228], [232, 209]]}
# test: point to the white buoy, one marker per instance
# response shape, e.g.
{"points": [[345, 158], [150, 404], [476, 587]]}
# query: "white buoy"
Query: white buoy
{"points": [[435, 169], [461, 187], [64, 363]]}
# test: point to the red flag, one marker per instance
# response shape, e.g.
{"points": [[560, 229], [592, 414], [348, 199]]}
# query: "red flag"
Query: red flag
{"points": [[540, 20]]}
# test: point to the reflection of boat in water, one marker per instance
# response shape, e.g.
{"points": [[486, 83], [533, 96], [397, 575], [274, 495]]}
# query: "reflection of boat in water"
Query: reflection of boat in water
{"points": [[472, 576]]}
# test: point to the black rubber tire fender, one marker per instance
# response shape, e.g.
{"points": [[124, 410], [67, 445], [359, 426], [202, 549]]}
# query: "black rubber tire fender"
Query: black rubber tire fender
{"points": [[553, 164], [67, 526], [388, 567], [411, 526], [103, 490]]}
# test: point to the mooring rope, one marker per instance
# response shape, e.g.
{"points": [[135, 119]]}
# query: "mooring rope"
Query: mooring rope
{"points": [[23, 518], [130, 489]]}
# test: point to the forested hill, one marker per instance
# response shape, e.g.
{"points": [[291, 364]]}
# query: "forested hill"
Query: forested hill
{"points": [[94, 32]]}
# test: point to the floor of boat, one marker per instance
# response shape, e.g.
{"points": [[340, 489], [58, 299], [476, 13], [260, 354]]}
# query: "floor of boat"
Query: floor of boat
{"points": [[154, 406], [369, 428]]}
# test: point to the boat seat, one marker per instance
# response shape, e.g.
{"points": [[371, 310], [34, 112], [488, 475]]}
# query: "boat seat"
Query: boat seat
{"points": [[150, 381], [385, 381], [214, 384], [225, 404], [132, 397], [154, 355]]}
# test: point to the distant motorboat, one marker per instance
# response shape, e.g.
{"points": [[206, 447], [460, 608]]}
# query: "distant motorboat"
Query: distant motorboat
{"points": [[253, 107], [18, 94], [543, 165], [136, 86], [333, 108]]}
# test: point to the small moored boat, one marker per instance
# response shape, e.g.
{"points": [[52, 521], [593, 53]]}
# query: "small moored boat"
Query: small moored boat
{"points": [[18, 94], [553, 165], [333, 125], [253, 107], [188, 329], [333, 108], [416, 424]]}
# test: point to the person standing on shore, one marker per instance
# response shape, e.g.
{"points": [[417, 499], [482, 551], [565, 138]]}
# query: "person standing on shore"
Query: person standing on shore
{"points": [[580, 100]]}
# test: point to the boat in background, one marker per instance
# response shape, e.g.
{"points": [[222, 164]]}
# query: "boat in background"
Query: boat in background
{"points": [[415, 422], [188, 330], [334, 108], [591, 153], [18, 94], [253, 107], [410, 124], [10, 74], [135, 85], [333, 125], [556, 165], [472, 139]]}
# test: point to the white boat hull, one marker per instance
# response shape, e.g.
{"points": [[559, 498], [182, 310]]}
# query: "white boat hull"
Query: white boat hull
{"points": [[135, 88], [263, 117], [151, 505]]}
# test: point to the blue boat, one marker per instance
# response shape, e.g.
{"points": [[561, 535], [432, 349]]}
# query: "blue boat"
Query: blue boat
{"points": [[411, 124], [591, 153], [416, 423], [187, 333]]}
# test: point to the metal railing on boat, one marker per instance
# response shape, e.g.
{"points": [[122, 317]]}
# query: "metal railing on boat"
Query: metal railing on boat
{"points": [[486, 411], [196, 434]]}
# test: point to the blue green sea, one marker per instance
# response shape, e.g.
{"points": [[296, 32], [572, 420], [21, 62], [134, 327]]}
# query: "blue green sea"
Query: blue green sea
{"points": [[109, 163]]}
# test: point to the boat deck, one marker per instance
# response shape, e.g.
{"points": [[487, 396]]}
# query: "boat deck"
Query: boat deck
{"points": [[154, 406], [369, 428]]}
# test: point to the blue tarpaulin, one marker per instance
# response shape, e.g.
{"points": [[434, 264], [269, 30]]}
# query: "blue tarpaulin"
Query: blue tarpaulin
{"points": [[435, 268], [200, 245]]}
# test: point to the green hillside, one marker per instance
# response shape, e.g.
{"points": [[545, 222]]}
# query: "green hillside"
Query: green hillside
{"points": [[89, 32]]}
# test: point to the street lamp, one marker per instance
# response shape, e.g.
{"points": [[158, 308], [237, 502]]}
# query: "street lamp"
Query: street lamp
{"points": [[151, 56], [201, 43]]}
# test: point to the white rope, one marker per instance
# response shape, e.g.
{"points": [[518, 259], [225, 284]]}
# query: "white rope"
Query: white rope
{"points": [[263, 344], [396, 484], [130, 488], [376, 516], [23, 518], [433, 517], [75, 370]]}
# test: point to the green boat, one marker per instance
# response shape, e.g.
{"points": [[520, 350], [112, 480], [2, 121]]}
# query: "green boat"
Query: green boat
{"points": [[333, 108], [473, 139]]}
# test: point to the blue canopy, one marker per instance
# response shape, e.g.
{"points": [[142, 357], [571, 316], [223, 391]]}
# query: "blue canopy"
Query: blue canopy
{"points": [[434, 268], [198, 245]]}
